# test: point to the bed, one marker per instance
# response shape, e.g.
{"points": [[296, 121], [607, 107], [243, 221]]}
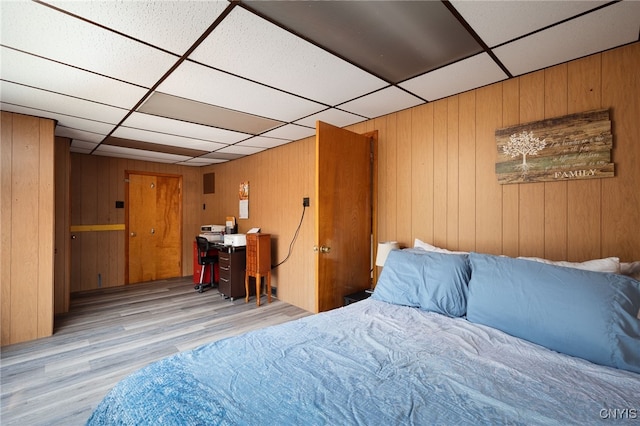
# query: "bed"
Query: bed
{"points": [[446, 338]]}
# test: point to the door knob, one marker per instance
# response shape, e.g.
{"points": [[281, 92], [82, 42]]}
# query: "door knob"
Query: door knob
{"points": [[133, 234], [153, 230], [324, 249]]}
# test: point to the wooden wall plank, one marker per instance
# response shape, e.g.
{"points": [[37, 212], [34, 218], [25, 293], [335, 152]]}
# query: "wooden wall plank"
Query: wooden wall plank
{"points": [[620, 195], [422, 172], [531, 209], [62, 253], [387, 179], [440, 163], [46, 232], [453, 179], [6, 215], [511, 193], [555, 193], [584, 226], [467, 176], [488, 191], [405, 184]]}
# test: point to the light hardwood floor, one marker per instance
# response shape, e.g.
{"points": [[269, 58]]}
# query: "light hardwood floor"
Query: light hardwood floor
{"points": [[108, 334]]}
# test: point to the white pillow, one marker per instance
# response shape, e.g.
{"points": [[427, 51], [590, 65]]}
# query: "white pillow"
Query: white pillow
{"points": [[631, 269], [428, 247], [609, 264]]}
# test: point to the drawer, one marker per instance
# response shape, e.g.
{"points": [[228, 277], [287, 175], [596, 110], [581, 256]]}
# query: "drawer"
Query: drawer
{"points": [[224, 259], [224, 271]]}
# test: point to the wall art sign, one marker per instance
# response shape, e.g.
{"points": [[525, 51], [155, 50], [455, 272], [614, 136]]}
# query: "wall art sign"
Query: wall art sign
{"points": [[243, 196], [576, 146]]}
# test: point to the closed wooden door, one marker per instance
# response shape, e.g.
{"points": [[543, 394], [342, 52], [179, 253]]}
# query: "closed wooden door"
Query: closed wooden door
{"points": [[343, 214], [154, 227]]}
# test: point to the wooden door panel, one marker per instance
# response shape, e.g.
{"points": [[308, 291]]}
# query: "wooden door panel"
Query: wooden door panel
{"points": [[343, 214], [168, 231], [142, 238]]}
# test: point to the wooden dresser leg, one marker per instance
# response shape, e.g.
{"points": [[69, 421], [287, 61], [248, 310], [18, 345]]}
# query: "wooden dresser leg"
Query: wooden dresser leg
{"points": [[258, 289], [269, 286], [246, 288]]}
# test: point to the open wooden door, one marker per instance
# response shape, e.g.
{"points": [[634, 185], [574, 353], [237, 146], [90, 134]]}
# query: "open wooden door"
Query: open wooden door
{"points": [[154, 227], [343, 214]]}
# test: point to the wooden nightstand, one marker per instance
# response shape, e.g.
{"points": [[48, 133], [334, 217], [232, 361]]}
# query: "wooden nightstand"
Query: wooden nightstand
{"points": [[356, 297]]}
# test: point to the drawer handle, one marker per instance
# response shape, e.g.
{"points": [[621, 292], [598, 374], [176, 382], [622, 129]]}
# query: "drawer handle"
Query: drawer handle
{"points": [[224, 268], [222, 279]]}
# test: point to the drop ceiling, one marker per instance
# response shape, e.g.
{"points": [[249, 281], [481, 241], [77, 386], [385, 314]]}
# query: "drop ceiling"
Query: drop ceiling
{"points": [[202, 82]]}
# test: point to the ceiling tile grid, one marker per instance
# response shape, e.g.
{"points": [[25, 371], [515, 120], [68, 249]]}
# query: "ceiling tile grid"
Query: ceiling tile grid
{"points": [[198, 82]]}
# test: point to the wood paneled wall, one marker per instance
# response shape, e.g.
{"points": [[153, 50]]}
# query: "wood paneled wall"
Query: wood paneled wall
{"points": [[278, 179], [437, 178], [96, 184], [27, 227]]}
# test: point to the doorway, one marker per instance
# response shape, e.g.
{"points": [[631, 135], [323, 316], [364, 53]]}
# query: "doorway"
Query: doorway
{"points": [[153, 222]]}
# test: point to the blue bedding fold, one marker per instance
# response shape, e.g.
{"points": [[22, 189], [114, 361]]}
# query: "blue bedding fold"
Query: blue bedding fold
{"points": [[370, 363]]}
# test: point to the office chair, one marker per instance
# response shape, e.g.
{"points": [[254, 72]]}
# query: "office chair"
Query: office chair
{"points": [[204, 259]]}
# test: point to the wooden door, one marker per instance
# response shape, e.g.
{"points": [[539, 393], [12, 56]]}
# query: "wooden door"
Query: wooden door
{"points": [[154, 228], [343, 214]]}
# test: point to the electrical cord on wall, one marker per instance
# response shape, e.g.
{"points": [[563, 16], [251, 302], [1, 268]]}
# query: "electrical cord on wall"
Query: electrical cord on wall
{"points": [[295, 237]]}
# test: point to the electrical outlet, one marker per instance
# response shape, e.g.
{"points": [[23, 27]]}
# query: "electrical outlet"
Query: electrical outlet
{"points": [[305, 202]]}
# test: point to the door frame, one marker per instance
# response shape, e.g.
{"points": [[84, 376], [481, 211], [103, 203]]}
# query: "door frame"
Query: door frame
{"points": [[127, 173]]}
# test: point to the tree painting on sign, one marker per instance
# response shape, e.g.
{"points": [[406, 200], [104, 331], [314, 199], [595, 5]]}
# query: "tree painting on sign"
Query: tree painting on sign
{"points": [[523, 144], [576, 146]]}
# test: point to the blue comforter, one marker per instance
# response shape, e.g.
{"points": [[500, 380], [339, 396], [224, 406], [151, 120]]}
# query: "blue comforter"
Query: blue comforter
{"points": [[371, 363]]}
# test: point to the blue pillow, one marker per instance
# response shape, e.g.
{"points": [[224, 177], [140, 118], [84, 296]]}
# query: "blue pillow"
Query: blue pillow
{"points": [[431, 281], [591, 315]]}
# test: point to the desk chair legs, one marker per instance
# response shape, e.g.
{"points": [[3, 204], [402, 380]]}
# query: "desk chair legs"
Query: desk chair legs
{"points": [[258, 283]]}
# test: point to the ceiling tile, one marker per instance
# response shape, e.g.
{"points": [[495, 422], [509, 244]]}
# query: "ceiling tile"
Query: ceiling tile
{"points": [[150, 21], [291, 132], [282, 60], [209, 115], [382, 102], [197, 82], [497, 22], [165, 139], [335, 116], [40, 30], [395, 40], [66, 132], [606, 28], [222, 156], [147, 146], [49, 101], [263, 142], [83, 147], [200, 161], [62, 120], [55, 77], [456, 78], [137, 154], [191, 130], [236, 149]]}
